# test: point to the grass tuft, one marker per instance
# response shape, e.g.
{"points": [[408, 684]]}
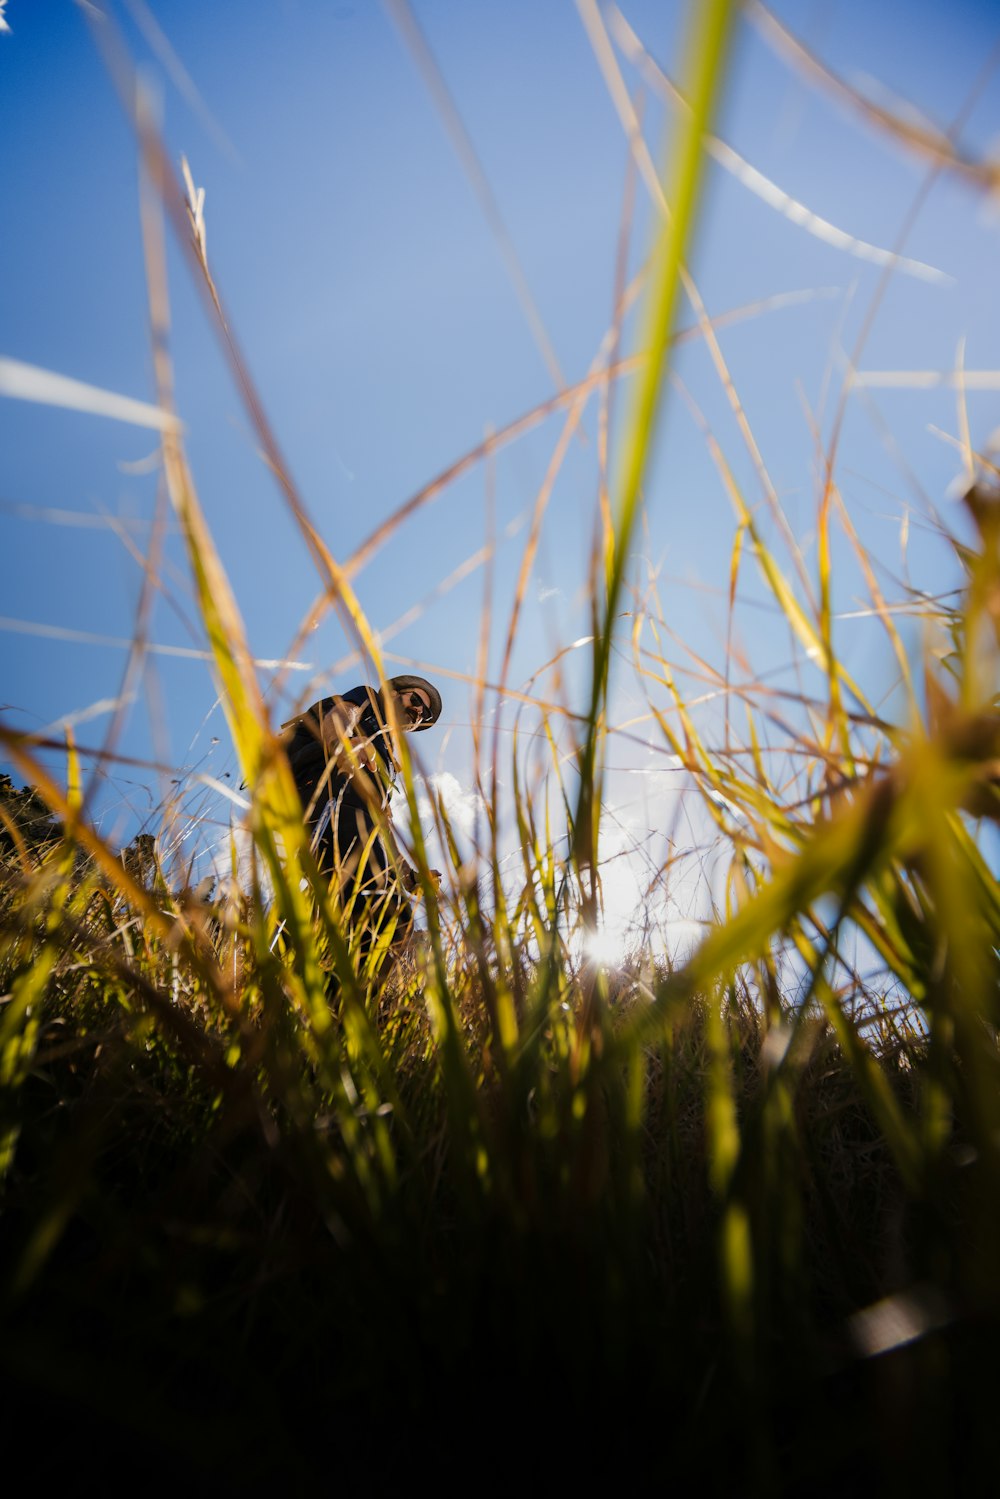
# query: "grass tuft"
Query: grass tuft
{"points": [[728, 1217]]}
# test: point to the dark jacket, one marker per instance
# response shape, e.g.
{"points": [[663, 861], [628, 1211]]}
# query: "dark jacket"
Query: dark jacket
{"points": [[308, 757]]}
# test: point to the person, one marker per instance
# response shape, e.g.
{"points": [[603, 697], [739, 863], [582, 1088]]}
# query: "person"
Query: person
{"points": [[344, 764]]}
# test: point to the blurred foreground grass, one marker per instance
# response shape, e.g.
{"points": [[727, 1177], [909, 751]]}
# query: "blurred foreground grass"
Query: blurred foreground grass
{"points": [[732, 1222]]}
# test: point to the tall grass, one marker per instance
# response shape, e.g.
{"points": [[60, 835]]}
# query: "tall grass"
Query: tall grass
{"points": [[732, 1219]]}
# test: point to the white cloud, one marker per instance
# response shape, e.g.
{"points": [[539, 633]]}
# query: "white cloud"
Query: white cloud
{"points": [[461, 806]]}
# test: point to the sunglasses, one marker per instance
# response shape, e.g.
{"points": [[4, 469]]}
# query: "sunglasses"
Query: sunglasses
{"points": [[416, 707]]}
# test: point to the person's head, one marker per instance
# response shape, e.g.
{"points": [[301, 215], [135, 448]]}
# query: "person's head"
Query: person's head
{"points": [[417, 702]]}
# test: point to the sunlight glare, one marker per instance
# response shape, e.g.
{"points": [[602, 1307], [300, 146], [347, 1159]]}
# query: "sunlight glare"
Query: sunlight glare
{"points": [[604, 947]]}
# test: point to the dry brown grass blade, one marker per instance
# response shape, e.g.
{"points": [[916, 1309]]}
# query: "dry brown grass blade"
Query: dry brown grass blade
{"points": [[879, 602], [159, 43], [19, 746], [409, 29], [457, 575], [157, 578], [868, 321], [276, 813], [759, 699], [124, 643], [935, 146], [87, 520], [46, 741], [531, 547], [547, 707], [489, 445], [802, 625], [596, 378], [135, 664], [26, 382], [183, 218], [620, 304], [483, 654], [925, 379], [195, 204], [754, 180], [604, 53]]}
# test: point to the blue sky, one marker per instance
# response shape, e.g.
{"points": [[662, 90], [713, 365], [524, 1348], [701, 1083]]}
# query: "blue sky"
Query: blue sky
{"points": [[372, 302]]}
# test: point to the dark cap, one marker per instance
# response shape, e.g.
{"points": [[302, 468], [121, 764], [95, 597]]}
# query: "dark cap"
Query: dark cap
{"points": [[419, 684]]}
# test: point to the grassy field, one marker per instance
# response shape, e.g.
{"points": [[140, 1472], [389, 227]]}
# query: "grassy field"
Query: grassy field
{"points": [[730, 1222]]}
